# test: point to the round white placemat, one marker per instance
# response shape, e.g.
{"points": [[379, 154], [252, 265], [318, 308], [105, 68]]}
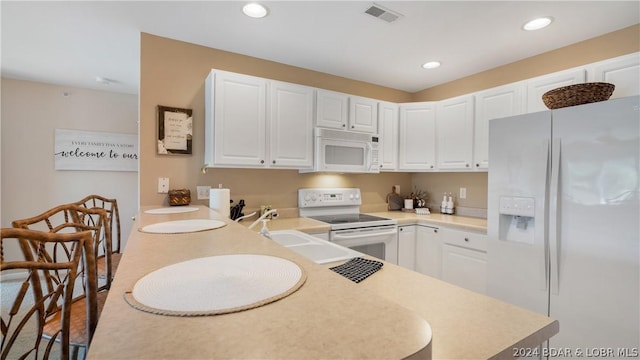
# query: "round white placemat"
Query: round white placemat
{"points": [[216, 285], [171, 210], [182, 226]]}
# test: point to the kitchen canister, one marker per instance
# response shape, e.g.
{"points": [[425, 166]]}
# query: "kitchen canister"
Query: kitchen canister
{"points": [[220, 200]]}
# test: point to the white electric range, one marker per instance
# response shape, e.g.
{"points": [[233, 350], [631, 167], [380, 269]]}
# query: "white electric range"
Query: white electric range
{"points": [[340, 208]]}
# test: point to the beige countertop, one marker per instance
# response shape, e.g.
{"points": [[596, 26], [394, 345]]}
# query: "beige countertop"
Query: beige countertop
{"points": [[328, 317]]}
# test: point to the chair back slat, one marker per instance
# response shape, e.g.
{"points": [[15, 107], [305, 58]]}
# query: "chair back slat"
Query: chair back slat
{"points": [[33, 304]]}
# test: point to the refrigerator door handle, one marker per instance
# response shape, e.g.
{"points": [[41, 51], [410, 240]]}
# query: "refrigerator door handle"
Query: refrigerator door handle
{"points": [[545, 281], [554, 241]]}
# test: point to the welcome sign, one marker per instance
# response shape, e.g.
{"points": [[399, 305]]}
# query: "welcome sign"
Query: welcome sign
{"points": [[98, 151]]}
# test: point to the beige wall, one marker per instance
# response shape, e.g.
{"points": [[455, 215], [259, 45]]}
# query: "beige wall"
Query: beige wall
{"points": [[173, 74], [30, 184], [618, 43], [438, 183]]}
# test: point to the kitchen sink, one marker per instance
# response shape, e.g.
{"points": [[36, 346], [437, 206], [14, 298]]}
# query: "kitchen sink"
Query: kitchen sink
{"points": [[318, 250]]}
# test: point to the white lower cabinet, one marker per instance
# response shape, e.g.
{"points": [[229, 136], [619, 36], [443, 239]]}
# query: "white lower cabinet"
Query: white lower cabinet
{"points": [[464, 259], [428, 251], [407, 246]]}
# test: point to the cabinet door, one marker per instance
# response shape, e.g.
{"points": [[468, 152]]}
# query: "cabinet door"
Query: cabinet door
{"points": [[290, 125], [332, 109], [465, 267], [363, 114], [407, 246], [536, 87], [623, 72], [239, 119], [417, 150], [454, 129], [428, 251], [493, 104], [464, 259], [388, 125]]}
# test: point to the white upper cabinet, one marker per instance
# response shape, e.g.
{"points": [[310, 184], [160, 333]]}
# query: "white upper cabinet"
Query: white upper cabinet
{"points": [[239, 119], [342, 111], [290, 125], [417, 149], [623, 72], [388, 114], [490, 104], [536, 87], [363, 114], [243, 130], [454, 129], [332, 109]]}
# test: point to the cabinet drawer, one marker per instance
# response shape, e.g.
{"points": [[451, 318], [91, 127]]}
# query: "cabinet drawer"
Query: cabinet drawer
{"points": [[469, 240]]}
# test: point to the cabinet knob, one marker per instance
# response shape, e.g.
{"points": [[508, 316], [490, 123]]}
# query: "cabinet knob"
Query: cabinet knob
{"points": [[467, 165], [477, 165], [261, 161], [435, 230], [344, 125], [466, 239], [353, 126], [431, 166], [133, 218], [273, 162]]}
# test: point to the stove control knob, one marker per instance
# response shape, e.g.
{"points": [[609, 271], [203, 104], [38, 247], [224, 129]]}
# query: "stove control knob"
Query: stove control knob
{"points": [[313, 197], [357, 196]]}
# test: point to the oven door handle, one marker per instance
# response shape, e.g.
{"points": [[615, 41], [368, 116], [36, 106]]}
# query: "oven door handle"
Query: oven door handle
{"points": [[363, 234]]}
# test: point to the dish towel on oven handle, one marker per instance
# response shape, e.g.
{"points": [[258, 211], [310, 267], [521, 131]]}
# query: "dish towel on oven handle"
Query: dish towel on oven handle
{"points": [[358, 269]]}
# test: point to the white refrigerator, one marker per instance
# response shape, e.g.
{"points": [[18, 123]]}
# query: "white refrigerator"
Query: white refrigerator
{"points": [[563, 215]]}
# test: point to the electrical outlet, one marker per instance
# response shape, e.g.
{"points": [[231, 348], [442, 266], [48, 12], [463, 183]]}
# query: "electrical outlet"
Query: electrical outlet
{"points": [[463, 193], [163, 185], [203, 192]]}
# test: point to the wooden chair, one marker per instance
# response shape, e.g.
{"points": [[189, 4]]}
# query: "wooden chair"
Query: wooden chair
{"points": [[53, 263], [74, 218], [113, 219]]}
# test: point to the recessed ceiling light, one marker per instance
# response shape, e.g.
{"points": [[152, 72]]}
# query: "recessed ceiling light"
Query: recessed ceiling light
{"points": [[538, 23], [254, 10], [431, 64]]}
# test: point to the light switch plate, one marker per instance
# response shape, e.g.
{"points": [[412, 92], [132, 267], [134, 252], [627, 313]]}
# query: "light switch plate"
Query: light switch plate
{"points": [[203, 192], [163, 185]]}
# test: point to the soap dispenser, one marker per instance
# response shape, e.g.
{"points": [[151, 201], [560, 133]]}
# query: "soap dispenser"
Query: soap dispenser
{"points": [[443, 205], [450, 204]]}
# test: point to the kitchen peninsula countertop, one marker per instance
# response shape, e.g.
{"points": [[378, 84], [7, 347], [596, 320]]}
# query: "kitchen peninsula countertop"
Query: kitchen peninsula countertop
{"points": [[391, 314]]}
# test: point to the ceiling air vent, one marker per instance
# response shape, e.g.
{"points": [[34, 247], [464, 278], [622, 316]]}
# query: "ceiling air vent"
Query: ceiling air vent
{"points": [[382, 13]]}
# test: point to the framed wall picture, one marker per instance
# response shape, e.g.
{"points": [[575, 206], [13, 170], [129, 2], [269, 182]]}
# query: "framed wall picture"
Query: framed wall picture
{"points": [[175, 130]]}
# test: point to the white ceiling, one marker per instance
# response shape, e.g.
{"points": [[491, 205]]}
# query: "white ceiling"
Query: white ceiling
{"points": [[70, 43]]}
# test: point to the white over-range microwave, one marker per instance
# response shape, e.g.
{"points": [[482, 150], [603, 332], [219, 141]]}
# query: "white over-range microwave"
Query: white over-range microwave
{"points": [[345, 152]]}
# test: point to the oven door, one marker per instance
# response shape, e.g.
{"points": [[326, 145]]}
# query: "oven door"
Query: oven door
{"points": [[377, 241]]}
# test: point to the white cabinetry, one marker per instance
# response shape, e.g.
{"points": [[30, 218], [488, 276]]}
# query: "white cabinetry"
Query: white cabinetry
{"points": [[407, 246], [341, 111], [464, 259], [291, 125], [536, 87], [623, 72], [242, 130], [417, 150], [388, 123], [363, 114], [235, 114], [332, 109], [428, 251], [490, 104], [454, 129]]}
